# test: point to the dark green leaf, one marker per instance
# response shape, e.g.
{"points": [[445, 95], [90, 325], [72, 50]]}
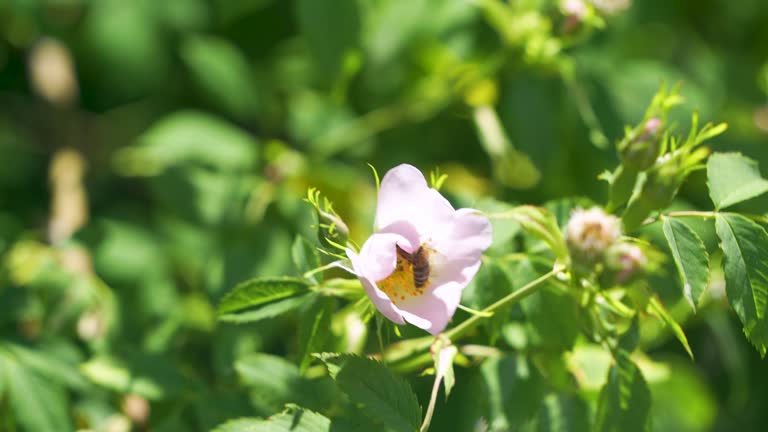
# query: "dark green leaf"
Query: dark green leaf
{"points": [[564, 413], [275, 381], [380, 394], [259, 291], [314, 328], [733, 178], [223, 73], [331, 29], [690, 257], [625, 401], [515, 389], [745, 248], [270, 310], [293, 419]]}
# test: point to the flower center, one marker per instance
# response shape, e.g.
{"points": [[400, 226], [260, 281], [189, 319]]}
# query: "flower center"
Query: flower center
{"points": [[410, 277]]}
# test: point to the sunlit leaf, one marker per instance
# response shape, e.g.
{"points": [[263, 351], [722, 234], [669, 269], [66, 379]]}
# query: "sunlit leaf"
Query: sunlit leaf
{"points": [[745, 246], [380, 394], [37, 404], [733, 178], [260, 291], [657, 308], [293, 419], [625, 400], [189, 137], [267, 311], [690, 257]]}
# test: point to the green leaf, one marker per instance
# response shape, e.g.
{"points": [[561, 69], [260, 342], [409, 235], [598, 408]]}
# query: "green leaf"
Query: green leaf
{"points": [[37, 404], [515, 389], [540, 223], [564, 413], [271, 310], [655, 306], [745, 248], [690, 257], [625, 400], [380, 394], [274, 381], [306, 257], [150, 376], [47, 365], [222, 72], [733, 178], [293, 419], [331, 29], [189, 137], [259, 291], [314, 328]]}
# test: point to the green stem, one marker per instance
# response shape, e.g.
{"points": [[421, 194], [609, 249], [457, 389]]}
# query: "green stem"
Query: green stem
{"points": [[512, 298], [414, 353], [703, 214]]}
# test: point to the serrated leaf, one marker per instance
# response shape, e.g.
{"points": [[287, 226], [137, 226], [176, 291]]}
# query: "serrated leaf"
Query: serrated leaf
{"points": [[733, 178], [271, 310], [625, 401], [381, 395], [314, 328], [47, 365], [259, 291], [657, 308], [293, 419], [37, 404], [745, 248], [690, 257], [514, 388]]}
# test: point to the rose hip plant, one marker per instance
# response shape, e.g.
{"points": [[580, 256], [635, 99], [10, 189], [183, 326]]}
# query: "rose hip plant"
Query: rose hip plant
{"points": [[545, 292], [383, 215]]}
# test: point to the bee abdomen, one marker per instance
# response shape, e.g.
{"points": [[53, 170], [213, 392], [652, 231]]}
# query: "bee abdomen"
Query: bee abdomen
{"points": [[420, 274]]}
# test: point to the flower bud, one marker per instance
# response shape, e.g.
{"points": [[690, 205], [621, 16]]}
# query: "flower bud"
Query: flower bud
{"points": [[658, 191], [625, 262], [640, 148], [589, 234], [331, 229]]}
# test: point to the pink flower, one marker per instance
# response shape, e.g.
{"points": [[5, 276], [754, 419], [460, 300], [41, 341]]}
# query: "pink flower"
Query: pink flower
{"points": [[423, 254]]}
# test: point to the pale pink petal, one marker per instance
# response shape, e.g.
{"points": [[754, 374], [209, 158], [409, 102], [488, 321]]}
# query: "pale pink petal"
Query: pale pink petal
{"points": [[405, 195], [433, 310]]}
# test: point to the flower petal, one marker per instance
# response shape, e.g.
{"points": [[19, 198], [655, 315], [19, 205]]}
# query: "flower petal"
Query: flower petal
{"points": [[378, 259], [405, 196]]}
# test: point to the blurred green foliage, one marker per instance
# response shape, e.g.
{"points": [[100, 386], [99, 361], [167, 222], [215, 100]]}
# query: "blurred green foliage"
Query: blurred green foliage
{"points": [[157, 153]]}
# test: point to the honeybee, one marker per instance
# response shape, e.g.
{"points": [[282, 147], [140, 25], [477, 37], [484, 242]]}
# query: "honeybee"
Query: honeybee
{"points": [[420, 262]]}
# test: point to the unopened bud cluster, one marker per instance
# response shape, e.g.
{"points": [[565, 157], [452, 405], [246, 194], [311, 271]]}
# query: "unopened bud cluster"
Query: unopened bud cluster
{"points": [[590, 233], [640, 148], [625, 261]]}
